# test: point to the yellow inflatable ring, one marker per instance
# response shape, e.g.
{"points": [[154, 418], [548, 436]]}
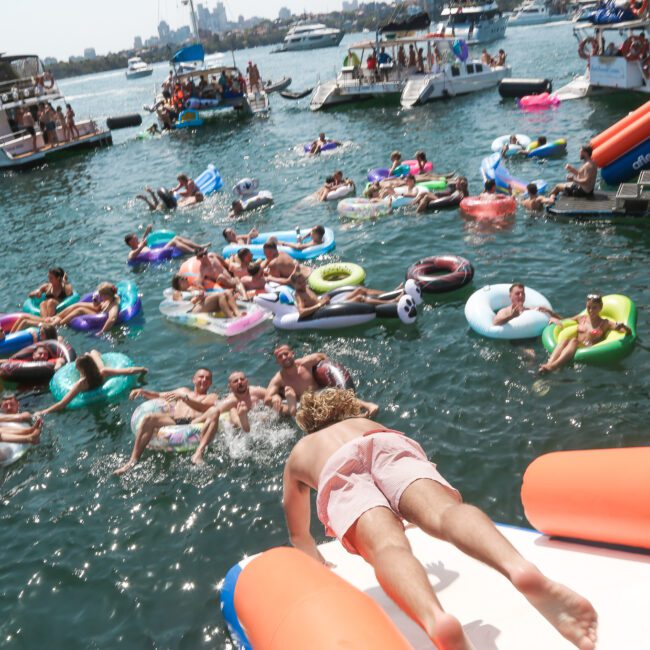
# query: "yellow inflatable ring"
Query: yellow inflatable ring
{"points": [[334, 276]]}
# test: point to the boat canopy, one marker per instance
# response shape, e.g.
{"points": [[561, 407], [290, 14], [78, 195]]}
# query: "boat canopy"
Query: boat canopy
{"points": [[411, 24], [190, 53], [206, 72]]}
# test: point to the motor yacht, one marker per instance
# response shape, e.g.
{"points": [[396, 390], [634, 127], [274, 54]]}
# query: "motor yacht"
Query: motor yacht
{"points": [[534, 12], [474, 22], [24, 84], [442, 69], [306, 35], [137, 68]]}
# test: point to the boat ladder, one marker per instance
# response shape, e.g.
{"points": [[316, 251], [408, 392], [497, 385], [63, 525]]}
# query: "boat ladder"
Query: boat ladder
{"points": [[322, 92]]}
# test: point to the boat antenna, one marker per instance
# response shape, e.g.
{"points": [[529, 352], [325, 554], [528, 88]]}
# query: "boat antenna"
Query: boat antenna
{"points": [[195, 26], [232, 51]]}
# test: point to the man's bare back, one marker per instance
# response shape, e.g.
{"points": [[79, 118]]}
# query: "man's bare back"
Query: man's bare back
{"points": [[312, 452]]}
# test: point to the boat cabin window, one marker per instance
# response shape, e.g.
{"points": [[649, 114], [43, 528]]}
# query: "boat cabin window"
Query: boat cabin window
{"points": [[478, 67], [455, 71], [23, 67], [470, 68]]}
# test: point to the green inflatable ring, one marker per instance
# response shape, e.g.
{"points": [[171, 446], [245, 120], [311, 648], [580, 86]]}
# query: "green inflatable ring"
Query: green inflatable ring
{"points": [[32, 305], [333, 276], [615, 345], [434, 185], [159, 238], [112, 389]]}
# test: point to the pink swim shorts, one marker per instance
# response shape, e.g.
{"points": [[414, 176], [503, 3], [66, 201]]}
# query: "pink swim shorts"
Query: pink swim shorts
{"points": [[368, 472]]}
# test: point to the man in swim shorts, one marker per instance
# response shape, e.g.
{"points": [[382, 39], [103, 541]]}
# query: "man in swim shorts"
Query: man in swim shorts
{"points": [[517, 293], [581, 181], [186, 407], [294, 379], [368, 479], [315, 238], [238, 403], [139, 246]]}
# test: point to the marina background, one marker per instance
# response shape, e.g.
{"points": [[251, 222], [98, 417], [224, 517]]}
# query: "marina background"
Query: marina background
{"points": [[92, 561]]}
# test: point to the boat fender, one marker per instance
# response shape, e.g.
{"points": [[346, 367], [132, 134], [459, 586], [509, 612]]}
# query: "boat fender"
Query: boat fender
{"points": [[167, 197], [588, 47], [124, 121], [521, 87]]}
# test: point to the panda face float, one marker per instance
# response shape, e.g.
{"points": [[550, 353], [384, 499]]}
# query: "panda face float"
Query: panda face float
{"points": [[412, 289], [407, 310]]}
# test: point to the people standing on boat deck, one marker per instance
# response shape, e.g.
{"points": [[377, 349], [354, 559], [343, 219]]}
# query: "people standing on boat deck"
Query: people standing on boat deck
{"points": [[412, 56], [254, 79], [241, 399], [49, 117], [534, 202], [69, 118], [278, 266], [401, 56], [60, 119], [294, 379], [581, 182], [517, 295], [421, 60], [30, 126], [384, 59], [485, 57], [139, 245], [232, 237], [186, 406], [368, 479]]}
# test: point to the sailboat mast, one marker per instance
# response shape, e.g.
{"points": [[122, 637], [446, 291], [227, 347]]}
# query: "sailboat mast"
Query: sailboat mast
{"points": [[195, 26]]}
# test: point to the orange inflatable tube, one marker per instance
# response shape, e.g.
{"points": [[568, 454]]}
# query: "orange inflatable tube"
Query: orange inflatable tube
{"points": [[599, 495], [622, 141], [601, 138], [191, 268], [285, 600]]}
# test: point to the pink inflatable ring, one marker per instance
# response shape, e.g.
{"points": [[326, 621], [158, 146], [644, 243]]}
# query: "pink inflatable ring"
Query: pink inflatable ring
{"points": [[498, 207]]}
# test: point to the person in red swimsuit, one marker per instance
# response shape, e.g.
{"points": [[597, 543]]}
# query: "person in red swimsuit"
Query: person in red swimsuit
{"points": [[368, 479], [592, 329]]}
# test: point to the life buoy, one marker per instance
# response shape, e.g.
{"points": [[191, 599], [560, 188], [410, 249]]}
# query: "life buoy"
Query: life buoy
{"points": [[351, 59], [645, 67], [639, 11], [594, 48], [634, 48]]}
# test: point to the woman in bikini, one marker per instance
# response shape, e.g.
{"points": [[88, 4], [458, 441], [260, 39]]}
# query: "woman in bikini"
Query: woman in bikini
{"points": [[592, 329], [92, 374], [56, 289], [105, 300]]}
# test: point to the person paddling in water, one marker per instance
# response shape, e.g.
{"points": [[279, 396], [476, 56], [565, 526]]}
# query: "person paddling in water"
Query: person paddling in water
{"points": [[592, 329], [139, 245], [368, 479]]}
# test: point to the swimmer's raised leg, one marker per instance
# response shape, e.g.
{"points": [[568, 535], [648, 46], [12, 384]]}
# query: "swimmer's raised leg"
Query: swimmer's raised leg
{"points": [[211, 419], [149, 424]]}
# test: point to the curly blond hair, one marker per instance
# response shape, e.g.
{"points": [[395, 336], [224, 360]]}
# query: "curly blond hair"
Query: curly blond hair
{"points": [[329, 406]]}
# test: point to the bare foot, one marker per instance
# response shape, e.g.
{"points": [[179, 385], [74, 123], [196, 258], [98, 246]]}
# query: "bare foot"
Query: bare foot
{"points": [[197, 458], [545, 368], [449, 635], [33, 438], [572, 615], [125, 468]]}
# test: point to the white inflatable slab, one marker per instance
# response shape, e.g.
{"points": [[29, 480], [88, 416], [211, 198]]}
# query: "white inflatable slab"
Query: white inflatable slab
{"points": [[494, 615]]}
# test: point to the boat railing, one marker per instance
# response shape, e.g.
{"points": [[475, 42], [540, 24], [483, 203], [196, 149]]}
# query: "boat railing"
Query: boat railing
{"points": [[8, 137], [18, 89]]}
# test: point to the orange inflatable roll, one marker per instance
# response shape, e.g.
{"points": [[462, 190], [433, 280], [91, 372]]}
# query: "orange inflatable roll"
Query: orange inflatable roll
{"points": [[599, 495], [285, 600], [623, 141], [596, 141], [192, 270]]}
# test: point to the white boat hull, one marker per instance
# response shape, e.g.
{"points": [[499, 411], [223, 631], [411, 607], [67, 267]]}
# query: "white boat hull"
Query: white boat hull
{"points": [[483, 31], [523, 20], [138, 73], [329, 40]]}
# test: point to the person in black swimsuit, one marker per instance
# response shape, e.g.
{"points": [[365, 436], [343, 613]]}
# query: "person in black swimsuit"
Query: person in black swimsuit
{"points": [[56, 289]]}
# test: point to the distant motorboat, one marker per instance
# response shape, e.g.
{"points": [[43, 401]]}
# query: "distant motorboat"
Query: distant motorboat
{"points": [[474, 22], [136, 68], [277, 86], [306, 35], [533, 12]]}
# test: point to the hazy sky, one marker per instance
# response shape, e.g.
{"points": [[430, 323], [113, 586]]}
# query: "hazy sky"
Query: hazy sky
{"points": [[66, 27]]}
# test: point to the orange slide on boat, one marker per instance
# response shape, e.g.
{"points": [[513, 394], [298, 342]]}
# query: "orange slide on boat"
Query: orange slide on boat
{"points": [[598, 495], [285, 599], [605, 135]]}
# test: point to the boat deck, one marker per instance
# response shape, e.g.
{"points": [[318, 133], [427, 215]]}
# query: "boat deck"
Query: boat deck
{"points": [[602, 205]]}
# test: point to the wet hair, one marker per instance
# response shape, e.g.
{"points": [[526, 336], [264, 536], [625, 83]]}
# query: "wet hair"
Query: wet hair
{"points": [[329, 179], [270, 245], [254, 268], [461, 180], [59, 273], [329, 406], [279, 347], [242, 252], [587, 149], [129, 237], [204, 370], [532, 189], [395, 154], [490, 184], [107, 288], [225, 230], [89, 370], [320, 230], [48, 332], [541, 140], [516, 285], [176, 281], [295, 276], [410, 177], [420, 155], [182, 178]]}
